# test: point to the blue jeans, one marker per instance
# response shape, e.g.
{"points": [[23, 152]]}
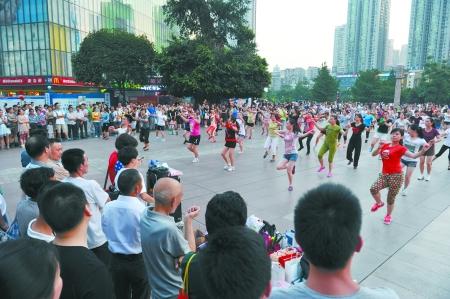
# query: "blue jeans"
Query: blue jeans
{"points": [[97, 129]]}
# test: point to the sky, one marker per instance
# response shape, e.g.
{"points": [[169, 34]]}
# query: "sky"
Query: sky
{"points": [[300, 33]]}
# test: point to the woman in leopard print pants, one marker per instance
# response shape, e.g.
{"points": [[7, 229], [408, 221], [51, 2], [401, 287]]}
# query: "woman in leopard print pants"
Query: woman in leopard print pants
{"points": [[391, 176]]}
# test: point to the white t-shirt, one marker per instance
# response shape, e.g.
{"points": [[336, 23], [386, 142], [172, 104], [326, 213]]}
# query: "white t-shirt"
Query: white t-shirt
{"points": [[37, 235], [160, 118], [401, 124], [144, 188], [57, 114], [447, 140], [96, 198], [2, 205], [241, 127], [80, 115], [413, 145]]}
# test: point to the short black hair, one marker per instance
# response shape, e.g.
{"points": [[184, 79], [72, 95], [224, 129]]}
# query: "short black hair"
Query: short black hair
{"points": [[36, 145], [32, 180], [235, 264], [72, 159], [327, 222], [126, 154], [40, 198], [27, 268], [63, 207], [128, 180], [224, 210], [125, 140]]}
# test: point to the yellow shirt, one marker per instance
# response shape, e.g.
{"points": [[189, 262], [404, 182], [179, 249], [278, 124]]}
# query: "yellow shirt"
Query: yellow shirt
{"points": [[273, 127], [95, 116]]}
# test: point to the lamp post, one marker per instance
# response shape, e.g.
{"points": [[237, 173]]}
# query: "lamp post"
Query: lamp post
{"points": [[399, 75]]}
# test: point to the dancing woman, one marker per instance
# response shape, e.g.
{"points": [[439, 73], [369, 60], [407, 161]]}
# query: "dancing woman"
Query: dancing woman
{"points": [[413, 141], [355, 142], [391, 176], [309, 133], [432, 136], [290, 154], [331, 132]]}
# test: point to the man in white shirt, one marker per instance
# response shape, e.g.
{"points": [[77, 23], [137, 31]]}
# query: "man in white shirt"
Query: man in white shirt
{"points": [[80, 122], [76, 162], [128, 156], [85, 120], [121, 224], [72, 123], [60, 122]]}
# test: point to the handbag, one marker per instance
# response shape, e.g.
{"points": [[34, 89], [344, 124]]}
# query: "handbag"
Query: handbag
{"points": [[184, 292]]}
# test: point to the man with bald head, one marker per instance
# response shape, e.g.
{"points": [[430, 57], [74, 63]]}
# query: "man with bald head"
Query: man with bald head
{"points": [[163, 244]]}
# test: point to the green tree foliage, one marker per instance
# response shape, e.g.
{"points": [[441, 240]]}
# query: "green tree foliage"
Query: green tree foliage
{"points": [[325, 86], [386, 90], [215, 57], [114, 58], [435, 83], [301, 92], [195, 68], [213, 20], [367, 87]]}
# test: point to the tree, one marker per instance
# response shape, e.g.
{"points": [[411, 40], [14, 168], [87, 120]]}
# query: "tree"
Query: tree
{"points": [[198, 69], [325, 86], [215, 57], [215, 20], [367, 87], [386, 90], [114, 59], [435, 83]]}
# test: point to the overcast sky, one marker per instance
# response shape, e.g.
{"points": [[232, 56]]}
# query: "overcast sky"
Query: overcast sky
{"points": [[300, 33]]}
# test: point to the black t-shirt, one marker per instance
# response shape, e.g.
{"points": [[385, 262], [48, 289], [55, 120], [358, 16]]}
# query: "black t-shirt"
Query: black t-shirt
{"points": [[357, 130], [83, 274], [196, 286]]}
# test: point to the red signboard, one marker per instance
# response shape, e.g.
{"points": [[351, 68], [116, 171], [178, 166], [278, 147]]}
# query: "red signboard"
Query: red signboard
{"points": [[57, 80], [23, 81]]}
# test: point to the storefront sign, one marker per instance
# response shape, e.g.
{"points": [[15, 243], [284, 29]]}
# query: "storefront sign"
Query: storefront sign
{"points": [[23, 81], [57, 80]]}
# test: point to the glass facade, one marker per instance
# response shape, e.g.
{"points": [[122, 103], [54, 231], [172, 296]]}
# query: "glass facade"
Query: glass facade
{"points": [[38, 37]]}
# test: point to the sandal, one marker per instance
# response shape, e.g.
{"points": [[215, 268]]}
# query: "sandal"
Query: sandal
{"points": [[376, 206]]}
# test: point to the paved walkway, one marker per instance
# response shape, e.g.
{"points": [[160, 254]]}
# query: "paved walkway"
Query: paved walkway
{"points": [[412, 255]]}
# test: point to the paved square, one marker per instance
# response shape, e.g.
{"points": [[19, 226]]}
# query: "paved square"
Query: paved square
{"points": [[412, 255]]}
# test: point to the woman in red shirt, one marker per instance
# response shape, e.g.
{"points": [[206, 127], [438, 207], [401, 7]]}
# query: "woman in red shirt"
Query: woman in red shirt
{"points": [[391, 176]]}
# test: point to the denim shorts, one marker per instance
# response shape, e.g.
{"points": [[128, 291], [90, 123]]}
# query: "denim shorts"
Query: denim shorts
{"points": [[409, 163], [291, 157]]}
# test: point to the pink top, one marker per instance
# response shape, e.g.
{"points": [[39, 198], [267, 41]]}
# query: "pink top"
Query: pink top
{"points": [[289, 142], [195, 127]]}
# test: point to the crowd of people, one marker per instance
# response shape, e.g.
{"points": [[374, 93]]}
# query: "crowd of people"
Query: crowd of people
{"points": [[74, 238]]}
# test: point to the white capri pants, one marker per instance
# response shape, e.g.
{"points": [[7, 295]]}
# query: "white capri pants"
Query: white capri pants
{"points": [[271, 143]]}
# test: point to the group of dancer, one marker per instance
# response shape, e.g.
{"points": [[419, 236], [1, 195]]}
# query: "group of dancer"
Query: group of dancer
{"points": [[402, 138]]}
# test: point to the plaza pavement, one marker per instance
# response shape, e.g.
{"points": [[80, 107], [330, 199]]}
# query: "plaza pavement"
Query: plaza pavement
{"points": [[411, 256]]}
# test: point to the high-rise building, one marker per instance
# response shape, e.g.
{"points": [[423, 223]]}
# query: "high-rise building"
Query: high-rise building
{"points": [[389, 62], [312, 72], [339, 50], [403, 60], [38, 37], [251, 15], [276, 78], [429, 32], [367, 32], [292, 77]]}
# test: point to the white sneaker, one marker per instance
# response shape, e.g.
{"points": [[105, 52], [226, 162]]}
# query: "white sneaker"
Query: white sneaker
{"points": [[231, 168], [404, 192], [428, 178], [195, 160], [226, 167], [420, 178]]}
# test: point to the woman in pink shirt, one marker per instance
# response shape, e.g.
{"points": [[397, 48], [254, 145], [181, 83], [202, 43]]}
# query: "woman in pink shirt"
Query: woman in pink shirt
{"points": [[194, 138], [290, 153]]}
